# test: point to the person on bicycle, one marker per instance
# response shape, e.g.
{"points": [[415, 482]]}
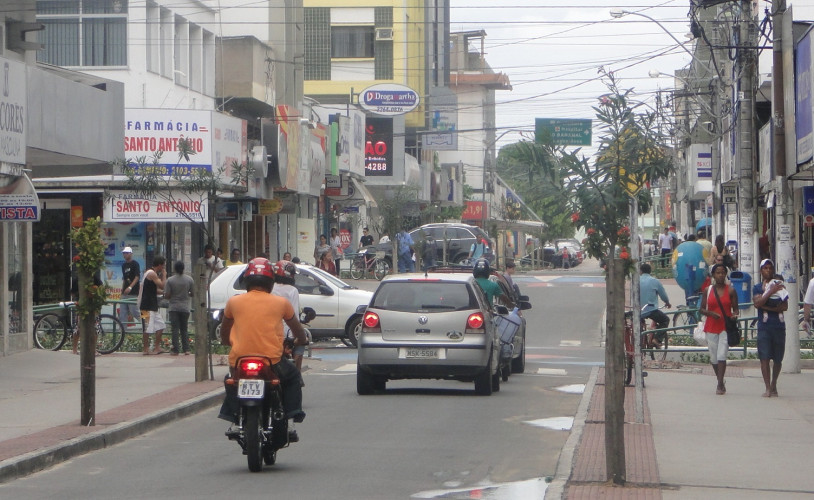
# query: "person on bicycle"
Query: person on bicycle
{"points": [[252, 325], [650, 290]]}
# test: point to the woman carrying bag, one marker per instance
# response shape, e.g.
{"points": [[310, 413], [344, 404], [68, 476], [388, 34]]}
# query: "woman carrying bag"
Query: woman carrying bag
{"points": [[720, 300]]}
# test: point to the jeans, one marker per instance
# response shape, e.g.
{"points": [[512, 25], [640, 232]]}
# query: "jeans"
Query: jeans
{"points": [[130, 309], [179, 322], [406, 263]]}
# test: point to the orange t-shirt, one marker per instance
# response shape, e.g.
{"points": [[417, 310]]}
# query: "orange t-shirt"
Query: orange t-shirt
{"points": [[258, 327], [713, 325]]}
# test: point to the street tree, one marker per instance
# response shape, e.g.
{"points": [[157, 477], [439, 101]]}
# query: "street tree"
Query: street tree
{"points": [[597, 193], [149, 177], [92, 295]]}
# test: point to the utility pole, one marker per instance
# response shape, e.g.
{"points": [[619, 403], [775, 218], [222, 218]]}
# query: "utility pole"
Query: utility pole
{"points": [[785, 219], [745, 139]]}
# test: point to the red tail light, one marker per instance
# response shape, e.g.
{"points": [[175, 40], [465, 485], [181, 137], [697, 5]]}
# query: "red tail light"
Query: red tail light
{"points": [[475, 322], [371, 320], [251, 367]]}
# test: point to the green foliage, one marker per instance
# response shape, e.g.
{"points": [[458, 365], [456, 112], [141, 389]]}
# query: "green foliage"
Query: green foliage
{"points": [[89, 260], [596, 194]]}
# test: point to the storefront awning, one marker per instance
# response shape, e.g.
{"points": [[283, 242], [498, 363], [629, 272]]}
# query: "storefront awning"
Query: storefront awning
{"points": [[364, 192]]}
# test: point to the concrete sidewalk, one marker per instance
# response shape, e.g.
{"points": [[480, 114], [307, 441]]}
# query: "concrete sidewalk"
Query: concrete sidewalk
{"points": [[694, 443], [40, 403]]}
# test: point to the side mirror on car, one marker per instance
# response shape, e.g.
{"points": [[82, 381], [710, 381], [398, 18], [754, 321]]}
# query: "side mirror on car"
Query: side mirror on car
{"points": [[361, 309], [325, 290], [524, 304]]}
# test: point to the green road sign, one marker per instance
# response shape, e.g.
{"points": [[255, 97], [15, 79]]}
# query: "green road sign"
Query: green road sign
{"points": [[563, 131]]}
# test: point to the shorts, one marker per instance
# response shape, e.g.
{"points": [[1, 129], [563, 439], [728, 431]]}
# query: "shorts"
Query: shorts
{"points": [[155, 322], [718, 347], [771, 342]]}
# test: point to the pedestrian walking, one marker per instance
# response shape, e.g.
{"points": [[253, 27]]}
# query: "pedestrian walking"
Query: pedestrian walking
{"points": [[153, 283], [131, 274], [771, 299], [404, 247], [716, 301], [179, 290], [336, 249], [666, 245]]}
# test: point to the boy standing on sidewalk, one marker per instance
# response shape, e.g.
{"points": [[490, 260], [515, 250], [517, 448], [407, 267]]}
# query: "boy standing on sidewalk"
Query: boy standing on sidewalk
{"points": [[180, 288]]}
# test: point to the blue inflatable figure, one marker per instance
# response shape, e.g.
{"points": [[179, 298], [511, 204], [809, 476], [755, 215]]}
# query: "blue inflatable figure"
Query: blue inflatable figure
{"points": [[689, 267]]}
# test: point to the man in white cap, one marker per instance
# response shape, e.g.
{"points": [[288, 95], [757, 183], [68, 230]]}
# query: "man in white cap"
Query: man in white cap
{"points": [[128, 312]]}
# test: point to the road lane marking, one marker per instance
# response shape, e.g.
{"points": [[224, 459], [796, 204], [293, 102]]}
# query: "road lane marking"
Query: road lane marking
{"points": [[551, 371], [570, 343], [572, 389], [555, 423]]}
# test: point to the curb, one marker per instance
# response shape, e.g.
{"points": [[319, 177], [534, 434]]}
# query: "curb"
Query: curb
{"points": [[44, 458], [556, 488]]}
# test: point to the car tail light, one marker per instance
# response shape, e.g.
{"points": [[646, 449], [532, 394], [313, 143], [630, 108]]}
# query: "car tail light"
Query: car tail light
{"points": [[371, 322], [251, 367], [474, 323]]}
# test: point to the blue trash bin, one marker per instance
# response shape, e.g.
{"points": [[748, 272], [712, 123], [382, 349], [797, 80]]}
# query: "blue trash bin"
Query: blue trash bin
{"points": [[742, 283]]}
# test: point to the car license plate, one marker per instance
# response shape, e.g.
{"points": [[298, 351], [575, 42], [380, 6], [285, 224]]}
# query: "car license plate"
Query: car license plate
{"points": [[250, 388], [420, 352]]}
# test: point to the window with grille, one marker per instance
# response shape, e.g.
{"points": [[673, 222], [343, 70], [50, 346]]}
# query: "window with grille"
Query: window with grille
{"points": [[83, 32]]}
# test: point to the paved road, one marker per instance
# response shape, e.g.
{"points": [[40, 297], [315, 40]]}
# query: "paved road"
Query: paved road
{"points": [[422, 439]]}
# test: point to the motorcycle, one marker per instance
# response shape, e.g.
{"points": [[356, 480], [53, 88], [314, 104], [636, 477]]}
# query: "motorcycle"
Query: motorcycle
{"points": [[262, 427]]}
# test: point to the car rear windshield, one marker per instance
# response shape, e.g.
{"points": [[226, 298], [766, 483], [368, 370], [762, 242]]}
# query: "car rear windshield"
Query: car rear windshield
{"points": [[424, 296]]}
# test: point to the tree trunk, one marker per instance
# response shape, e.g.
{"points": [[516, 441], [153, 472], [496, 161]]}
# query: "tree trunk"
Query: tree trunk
{"points": [[614, 373], [87, 358], [201, 319]]}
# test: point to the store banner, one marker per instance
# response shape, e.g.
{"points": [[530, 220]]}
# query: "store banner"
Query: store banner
{"points": [[18, 199], [164, 206]]}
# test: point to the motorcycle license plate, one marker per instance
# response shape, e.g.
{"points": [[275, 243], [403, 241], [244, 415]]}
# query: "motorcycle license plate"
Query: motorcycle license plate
{"points": [[250, 388], [420, 353]]}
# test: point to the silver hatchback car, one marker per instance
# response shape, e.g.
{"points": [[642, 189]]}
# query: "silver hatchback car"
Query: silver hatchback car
{"points": [[436, 326]]}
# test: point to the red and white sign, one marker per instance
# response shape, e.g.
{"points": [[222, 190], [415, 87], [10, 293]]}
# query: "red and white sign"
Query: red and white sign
{"points": [[473, 211], [175, 206]]}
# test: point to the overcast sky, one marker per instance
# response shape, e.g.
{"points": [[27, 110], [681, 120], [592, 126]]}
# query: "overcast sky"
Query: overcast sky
{"points": [[552, 51]]}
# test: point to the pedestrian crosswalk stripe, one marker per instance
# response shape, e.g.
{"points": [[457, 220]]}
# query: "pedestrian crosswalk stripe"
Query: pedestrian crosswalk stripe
{"points": [[570, 343], [551, 371]]}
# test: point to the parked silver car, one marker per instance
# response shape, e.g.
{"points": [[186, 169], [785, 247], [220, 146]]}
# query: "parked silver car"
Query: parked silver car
{"points": [[428, 327], [334, 301]]}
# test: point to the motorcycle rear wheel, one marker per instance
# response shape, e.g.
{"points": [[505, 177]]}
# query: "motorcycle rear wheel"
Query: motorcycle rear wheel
{"points": [[254, 438]]}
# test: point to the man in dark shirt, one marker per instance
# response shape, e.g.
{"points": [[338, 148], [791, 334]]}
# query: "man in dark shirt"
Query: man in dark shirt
{"points": [[366, 240], [131, 272]]}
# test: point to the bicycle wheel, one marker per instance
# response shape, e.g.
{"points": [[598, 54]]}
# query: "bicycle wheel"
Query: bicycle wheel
{"points": [[684, 317], [381, 269], [357, 268], [109, 333], [50, 332]]}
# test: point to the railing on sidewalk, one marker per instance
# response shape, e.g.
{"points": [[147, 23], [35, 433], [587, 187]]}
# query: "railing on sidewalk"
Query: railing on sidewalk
{"points": [[684, 333]]}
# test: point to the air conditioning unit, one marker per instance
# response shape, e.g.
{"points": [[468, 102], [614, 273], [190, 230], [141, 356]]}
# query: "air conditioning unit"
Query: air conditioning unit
{"points": [[383, 34]]}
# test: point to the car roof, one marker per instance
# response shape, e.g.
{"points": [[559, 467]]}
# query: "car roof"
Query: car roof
{"points": [[450, 277]]}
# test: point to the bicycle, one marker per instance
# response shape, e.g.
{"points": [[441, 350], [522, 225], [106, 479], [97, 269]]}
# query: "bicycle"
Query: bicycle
{"points": [[52, 330], [367, 261], [687, 315], [661, 340]]}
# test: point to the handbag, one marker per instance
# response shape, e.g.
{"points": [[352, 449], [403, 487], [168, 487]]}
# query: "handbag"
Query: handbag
{"points": [[733, 332], [699, 335]]}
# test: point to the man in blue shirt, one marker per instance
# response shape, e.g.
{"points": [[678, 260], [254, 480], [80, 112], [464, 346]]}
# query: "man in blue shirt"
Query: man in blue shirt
{"points": [[650, 290], [404, 247]]}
